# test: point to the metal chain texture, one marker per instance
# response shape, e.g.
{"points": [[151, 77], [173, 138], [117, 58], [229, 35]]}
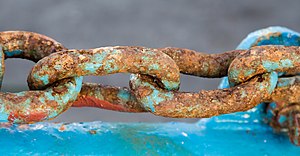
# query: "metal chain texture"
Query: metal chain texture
{"points": [[263, 69]]}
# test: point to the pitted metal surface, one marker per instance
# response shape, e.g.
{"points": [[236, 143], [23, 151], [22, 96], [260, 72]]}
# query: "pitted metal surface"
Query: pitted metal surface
{"points": [[34, 106], [257, 72]]}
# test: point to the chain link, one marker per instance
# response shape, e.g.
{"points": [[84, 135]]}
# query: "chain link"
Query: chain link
{"points": [[258, 74], [34, 106]]}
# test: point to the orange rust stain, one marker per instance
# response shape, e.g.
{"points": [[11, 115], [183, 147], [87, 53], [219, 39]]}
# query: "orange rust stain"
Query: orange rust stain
{"points": [[62, 128], [32, 117], [93, 132]]}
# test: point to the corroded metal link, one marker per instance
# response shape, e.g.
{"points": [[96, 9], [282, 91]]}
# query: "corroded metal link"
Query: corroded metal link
{"points": [[287, 91], [186, 65], [103, 61], [107, 97], [122, 99], [205, 103], [34, 106], [33, 46], [215, 102], [189, 62], [285, 112], [294, 125], [28, 45], [153, 84], [286, 116], [262, 59], [200, 64]]}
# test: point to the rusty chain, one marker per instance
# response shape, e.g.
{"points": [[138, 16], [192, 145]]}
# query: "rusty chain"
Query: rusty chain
{"points": [[259, 74]]}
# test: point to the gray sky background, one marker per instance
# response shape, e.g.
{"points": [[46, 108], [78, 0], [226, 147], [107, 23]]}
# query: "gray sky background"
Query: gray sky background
{"points": [[210, 26]]}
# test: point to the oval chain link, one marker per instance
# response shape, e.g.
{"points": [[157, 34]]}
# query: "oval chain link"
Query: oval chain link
{"points": [[34, 106]]}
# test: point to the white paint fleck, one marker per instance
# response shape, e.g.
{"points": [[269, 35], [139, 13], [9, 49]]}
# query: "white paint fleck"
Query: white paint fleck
{"points": [[184, 134], [246, 116]]}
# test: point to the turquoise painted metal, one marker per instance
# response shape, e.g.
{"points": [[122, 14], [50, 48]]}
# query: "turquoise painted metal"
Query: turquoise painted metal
{"points": [[242, 133], [236, 134], [263, 59]]}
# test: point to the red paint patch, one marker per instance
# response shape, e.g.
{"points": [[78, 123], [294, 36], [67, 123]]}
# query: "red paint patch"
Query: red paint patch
{"points": [[29, 118], [89, 101]]}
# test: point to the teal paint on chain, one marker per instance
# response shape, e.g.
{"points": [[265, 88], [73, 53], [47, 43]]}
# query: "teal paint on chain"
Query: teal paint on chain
{"points": [[270, 66], [282, 119], [268, 36], [124, 95], [3, 115], [44, 78], [155, 97], [283, 82], [13, 53], [34, 106], [103, 61], [264, 59], [25, 108], [273, 82]]}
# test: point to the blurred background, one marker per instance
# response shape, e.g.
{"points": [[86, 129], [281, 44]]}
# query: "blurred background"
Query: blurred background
{"points": [[203, 25]]}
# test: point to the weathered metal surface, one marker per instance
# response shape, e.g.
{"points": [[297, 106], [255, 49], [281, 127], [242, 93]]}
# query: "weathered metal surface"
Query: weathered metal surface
{"points": [[157, 74], [188, 61], [262, 59], [216, 102], [28, 45], [287, 90], [34, 106], [147, 93], [286, 117], [205, 103], [286, 37], [107, 97], [213, 102], [103, 61], [200, 64]]}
